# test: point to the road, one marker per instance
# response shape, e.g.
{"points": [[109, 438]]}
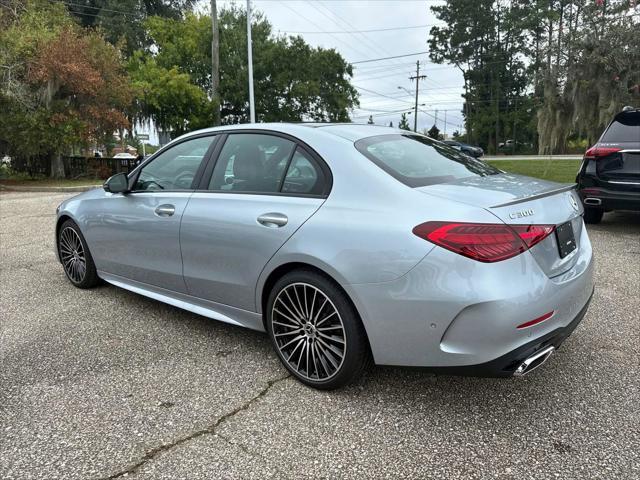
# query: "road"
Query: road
{"points": [[106, 384]]}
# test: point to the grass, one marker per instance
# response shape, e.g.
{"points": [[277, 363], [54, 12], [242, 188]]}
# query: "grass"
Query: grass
{"points": [[552, 169]]}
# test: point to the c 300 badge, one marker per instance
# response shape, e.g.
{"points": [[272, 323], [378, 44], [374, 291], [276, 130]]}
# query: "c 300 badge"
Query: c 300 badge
{"points": [[521, 214]]}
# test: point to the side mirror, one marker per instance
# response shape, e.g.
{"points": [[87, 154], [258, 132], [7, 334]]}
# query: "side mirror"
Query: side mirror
{"points": [[119, 183]]}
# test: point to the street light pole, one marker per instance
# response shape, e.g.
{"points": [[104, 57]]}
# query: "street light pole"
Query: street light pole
{"points": [[252, 107]]}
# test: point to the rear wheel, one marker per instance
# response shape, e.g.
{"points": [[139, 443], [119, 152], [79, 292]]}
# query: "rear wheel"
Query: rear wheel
{"points": [[593, 215], [75, 256], [316, 331]]}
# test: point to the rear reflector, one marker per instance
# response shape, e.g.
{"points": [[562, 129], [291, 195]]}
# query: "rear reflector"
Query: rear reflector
{"points": [[535, 321], [598, 152], [484, 242]]}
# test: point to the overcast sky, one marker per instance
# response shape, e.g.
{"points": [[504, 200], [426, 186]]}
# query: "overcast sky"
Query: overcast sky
{"points": [[443, 86]]}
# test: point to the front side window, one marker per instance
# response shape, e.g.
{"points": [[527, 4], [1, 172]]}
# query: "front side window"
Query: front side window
{"points": [[175, 168], [251, 162], [418, 161]]}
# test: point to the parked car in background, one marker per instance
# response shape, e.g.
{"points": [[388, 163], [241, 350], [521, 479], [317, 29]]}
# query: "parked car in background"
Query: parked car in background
{"points": [[513, 146], [124, 155], [465, 148], [609, 177], [345, 243]]}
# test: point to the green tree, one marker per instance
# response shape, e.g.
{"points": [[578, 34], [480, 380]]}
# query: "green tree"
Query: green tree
{"points": [[539, 71], [486, 41], [434, 132], [589, 69], [167, 97], [123, 20], [404, 123], [391, 124], [61, 86], [292, 80]]}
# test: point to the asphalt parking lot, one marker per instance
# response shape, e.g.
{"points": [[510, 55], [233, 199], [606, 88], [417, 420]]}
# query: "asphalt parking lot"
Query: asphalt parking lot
{"points": [[106, 384]]}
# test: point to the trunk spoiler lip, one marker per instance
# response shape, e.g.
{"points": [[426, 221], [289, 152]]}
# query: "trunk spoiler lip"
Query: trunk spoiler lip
{"points": [[547, 193]]}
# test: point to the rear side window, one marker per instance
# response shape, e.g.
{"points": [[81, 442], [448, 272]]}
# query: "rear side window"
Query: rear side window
{"points": [[625, 128], [419, 161], [253, 163], [303, 175]]}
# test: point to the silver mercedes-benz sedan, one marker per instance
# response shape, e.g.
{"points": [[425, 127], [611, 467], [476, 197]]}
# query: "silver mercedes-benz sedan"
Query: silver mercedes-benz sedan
{"points": [[347, 244]]}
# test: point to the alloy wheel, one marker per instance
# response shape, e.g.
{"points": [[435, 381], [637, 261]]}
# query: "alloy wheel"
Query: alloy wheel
{"points": [[308, 331], [73, 255]]}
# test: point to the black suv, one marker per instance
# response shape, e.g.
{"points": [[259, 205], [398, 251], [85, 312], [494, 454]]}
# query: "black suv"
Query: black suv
{"points": [[609, 177]]}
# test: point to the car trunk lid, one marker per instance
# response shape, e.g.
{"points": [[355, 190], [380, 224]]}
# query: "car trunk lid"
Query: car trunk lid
{"points": [[520, 200]]}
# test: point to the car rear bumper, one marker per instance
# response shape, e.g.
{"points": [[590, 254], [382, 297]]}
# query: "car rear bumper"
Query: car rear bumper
{"points": [[610, 200], [450, 311], [506, 365]]}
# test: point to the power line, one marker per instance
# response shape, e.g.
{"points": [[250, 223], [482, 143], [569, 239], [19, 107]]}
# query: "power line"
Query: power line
{"points": [[388, 58], [371, 30], [314, 23]]}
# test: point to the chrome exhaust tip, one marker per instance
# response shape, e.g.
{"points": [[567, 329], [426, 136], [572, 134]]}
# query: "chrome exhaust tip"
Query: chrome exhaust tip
{"points": [[592, 201], [534, 361]]}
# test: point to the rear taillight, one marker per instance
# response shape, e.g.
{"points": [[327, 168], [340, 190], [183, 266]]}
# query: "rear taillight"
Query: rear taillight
{"points": [[599, 152], [484, 242]]}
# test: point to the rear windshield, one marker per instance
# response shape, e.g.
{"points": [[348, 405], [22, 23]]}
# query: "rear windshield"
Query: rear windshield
{"points": [[625, 128], [419, 161]]}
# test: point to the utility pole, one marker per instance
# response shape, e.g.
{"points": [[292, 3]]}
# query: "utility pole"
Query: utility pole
{"points": [[445, 124], [252, 107], [417, 78], [215, 62]]}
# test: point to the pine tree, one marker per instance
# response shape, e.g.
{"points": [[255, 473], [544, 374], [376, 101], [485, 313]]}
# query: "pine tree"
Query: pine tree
{"points": [[404, 123], [434, 132]]}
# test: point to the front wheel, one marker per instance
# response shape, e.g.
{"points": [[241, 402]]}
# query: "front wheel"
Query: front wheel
{"points": [[316, 331], [75, 256]]}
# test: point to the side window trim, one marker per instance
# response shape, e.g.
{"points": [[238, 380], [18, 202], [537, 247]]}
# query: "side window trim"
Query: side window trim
{"points": [[133, 176], [286, 167], [213, 160]]}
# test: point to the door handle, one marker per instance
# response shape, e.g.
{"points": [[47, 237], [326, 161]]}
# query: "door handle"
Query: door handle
{"points": [[165, 210], [273, 220]]}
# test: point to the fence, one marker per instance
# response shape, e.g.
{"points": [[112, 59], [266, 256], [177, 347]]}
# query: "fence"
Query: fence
{"points": [[76, 167], [96, 167]]}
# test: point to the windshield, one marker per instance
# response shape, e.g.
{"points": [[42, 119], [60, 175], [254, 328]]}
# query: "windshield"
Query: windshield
{"points": [[418, 161]]}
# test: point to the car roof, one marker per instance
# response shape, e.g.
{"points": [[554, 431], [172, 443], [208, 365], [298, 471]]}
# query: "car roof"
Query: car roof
{"points": [[348, 131]]}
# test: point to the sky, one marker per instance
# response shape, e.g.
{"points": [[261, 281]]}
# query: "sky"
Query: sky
{"points": [[342, 23]]}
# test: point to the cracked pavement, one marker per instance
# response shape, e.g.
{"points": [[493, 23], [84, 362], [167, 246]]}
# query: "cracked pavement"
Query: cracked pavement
{"points": [[105, 384]]}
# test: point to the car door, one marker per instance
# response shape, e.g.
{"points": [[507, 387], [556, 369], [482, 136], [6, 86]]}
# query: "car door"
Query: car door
{"points": [[136, 235], [263, 187]]}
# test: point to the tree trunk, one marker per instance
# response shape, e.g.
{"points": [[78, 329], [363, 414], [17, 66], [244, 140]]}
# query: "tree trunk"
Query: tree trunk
{"points": [[57, 166]]}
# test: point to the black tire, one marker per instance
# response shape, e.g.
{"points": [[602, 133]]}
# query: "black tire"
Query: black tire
{"points": [[593, 215], [81, 278], [317, 350]]}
